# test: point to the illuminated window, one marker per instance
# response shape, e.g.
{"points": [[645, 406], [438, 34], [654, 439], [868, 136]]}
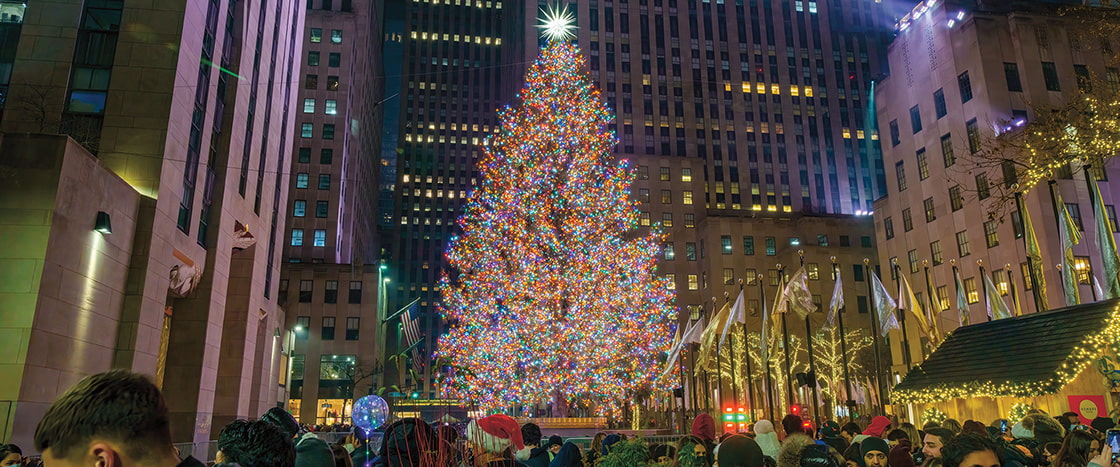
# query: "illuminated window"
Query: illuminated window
{"points": [[814, 271], [666, 219], [923, 164], [943, 297], [970, 290], [686, 175], [693, 282], [689, 220], [665, 174], [956, 200], [336, 36], [308, 108], [672, 280], [931, 214], [666, 197], [751, 276], [728, 276], [669, 253], [962, 244], [725, 243], [320, 238], [301, 180], [686, 197], [690, 251], [991, 234], [330, 107], [324, 182], [643, 219], [912, 257], [316, 35], [307, 130], [999, 276], [299, 208], [297, 237], [771, 246], [1084, 269], [748, 245]]}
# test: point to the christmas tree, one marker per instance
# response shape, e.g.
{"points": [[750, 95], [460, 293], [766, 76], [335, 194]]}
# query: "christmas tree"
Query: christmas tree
{"points": [[550, 287]]}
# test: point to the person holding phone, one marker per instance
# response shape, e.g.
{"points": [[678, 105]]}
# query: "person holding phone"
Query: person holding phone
{"points": [[1077, 449]]}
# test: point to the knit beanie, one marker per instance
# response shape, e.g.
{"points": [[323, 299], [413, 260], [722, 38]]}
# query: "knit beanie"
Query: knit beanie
{"points": [[873, 444]]}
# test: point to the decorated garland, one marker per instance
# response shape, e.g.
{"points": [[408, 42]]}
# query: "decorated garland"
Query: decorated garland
{"points": [[1018, 411], [934, 415]]}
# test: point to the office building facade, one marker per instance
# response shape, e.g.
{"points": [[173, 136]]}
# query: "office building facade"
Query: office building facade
{"points": [[149, 240]]}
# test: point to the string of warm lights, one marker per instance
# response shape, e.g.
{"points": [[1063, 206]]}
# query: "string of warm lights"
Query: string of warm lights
{"points": [[1083, 355], [933, 415], [551, 289], [1018, 411]]}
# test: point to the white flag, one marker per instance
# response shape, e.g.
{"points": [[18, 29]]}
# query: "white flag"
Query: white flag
{"points": [[997, 308], [836, 303], [884, 305], [796, 295], [738, 315]]}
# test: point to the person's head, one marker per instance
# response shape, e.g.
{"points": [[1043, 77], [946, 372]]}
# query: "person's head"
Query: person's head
{"points": [[662, 453], [739, 451], [874, 452], [790, 453], [1102, 424], [531, 435], [852, 456], [255, 443], [971, 450], [10, 454], [555, 442], [973, 426], [849, 430], [819, 455], [1050, 450], [1076, 449], [952, 425], [341, 457], [895, 435], [282, 420], [792, 424], [704, 427], [116, 418], [1071, 419], [934, 441], [597, 441]]}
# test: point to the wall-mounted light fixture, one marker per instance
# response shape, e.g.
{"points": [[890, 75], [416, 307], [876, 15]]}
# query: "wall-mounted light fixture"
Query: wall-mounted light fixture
{"points": [[103, 224]]}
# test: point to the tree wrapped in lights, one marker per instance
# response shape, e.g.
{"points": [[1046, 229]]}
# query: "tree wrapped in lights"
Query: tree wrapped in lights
{"points": [[550, 286], [830, 360]]}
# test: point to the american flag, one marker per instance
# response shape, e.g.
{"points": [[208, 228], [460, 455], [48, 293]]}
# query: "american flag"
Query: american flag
{"points": [[410, 329]]}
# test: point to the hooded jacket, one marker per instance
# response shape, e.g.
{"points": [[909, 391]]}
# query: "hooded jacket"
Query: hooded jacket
{"points": [[313, 452], [900, 455], [538, 457], [767, 439], [878, 426], [406, 442], [569, 456], [704, 427]]}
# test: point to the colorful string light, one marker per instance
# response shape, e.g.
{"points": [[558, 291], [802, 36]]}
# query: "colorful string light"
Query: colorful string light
{"points": [[550, 287]]}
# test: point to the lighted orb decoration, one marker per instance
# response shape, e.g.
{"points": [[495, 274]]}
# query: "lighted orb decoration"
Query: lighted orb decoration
{"points": [[370, 412]]}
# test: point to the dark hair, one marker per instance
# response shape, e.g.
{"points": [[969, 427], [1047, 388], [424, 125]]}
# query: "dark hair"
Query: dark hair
{"points": [[8, 449], [819, 455], [851, 427], [961, 446], [531, 434], [973, 426], [256, 443], [117, 405], [1075, 449], [952, 425], [341, 457], [792, 424], [897, 434], [942, 433], [662, 450]]}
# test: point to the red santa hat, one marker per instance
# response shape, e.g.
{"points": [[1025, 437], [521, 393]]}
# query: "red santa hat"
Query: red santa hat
{"points": [[496, 433]]}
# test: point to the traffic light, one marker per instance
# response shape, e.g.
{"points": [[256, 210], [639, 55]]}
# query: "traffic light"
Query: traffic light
{"points": [[735, 419], [796, 409]]}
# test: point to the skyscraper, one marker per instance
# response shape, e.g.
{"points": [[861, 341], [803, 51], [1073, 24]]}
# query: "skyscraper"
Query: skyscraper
{"points": [[329, 281], [148, 242]]}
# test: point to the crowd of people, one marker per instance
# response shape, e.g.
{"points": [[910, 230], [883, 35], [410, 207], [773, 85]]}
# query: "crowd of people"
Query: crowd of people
{"points": [[120, 419]]}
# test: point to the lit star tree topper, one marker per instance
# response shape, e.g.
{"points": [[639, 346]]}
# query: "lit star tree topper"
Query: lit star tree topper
{"points": [[550, 288], [557, 23]]}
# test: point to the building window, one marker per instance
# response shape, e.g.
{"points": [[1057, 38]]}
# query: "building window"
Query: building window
{"points": [[983, 190], [665, 176], [935, 252], [907, 220], [643, 219], [693, 282], [1025, 273], [666, 197], [301, 180], [947, 153], [845, 240], [1016, 224], [1113, 76], [312, 82], [813, 270], [966, 87], [320, 238], [915, 119], [328, 328], [943, 297], [332, 83], [334, 60], [900, 172], [299, 208], [352, 328], [336, 36], [643, 195], [316, 35], [686, 175], [962, 244], [1084, 81], [912, 257], [669, 253], [321, 208], [689, 220], [888, 228], [1110, 211], [690, 251], [666, 219], [956, 200], [643, 172], [330, 107], [931, 214], [307, 130], [991, 233], [923, 164], [304, 155], [865, 241], [1050, 73], [939, 103], [686, 197], [725, 243], [857, 272], [748, 245], [999, 276], [671, 279], [973, 135], [297, 237], [326, 155], [1084, 269], [305, 290], [1011, 74], [861, 304], [728, 276], [308, 107], [773, 277], [822, 240], [1074, 211], [313, 58], [970, 290], [771, 246], [330, 293], [324, 181], [355, 292], [328, 131], [895, 141]]}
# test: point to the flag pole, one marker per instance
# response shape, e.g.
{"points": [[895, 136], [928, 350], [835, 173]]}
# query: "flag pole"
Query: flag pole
{"points": [[785, 337], [984, 284], [735, 388], [1030, 261], [1014, 291], [901, 315], [849, 402], [719, 356], [964, 319], [680, 376], [812, 368], [932, 314], [875, 330], [763, 351]]}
